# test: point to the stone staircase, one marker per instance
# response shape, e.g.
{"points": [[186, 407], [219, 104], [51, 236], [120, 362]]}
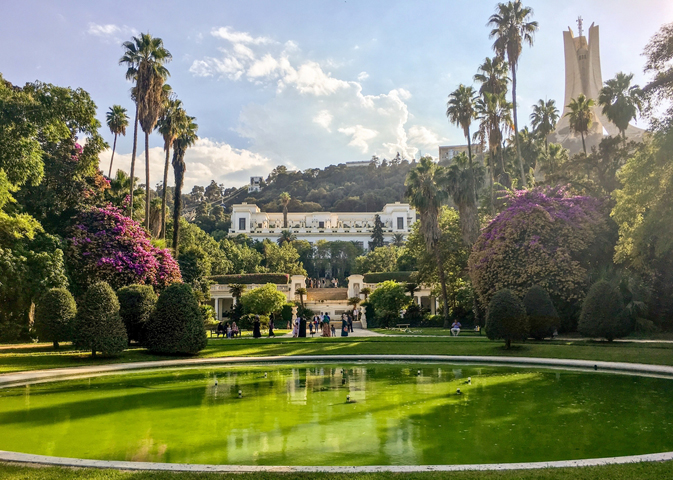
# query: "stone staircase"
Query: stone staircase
{"points": [[326, 294]]}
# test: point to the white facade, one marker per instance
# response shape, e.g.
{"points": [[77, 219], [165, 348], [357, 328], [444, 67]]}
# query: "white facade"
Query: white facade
{"points": [[333, 301], [255, 184], [313, 226]]}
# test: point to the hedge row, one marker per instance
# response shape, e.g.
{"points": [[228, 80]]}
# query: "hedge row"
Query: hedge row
{"points": [[385, 276], [250, 278]]}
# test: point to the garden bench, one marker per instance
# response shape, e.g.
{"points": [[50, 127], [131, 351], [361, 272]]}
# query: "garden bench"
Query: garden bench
{"points": [[402, 327]]}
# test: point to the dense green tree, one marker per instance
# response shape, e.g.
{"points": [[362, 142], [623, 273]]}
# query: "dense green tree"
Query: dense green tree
{"points": [[621, 101], [511, 29], [425, 193], [377, 232], [581, 116], [388, 299], [136, 304], [176, 326], [659, 55], [98, 326], [282, 259], [117, 121], [381, 259], [243, 258], [506, 318], [55, 316], [196, 267], [263, 300], [542, 316], [603, 314]]}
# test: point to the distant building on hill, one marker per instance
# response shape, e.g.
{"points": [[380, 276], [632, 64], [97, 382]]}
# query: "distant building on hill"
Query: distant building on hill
{"points": [[361, 163], [313, 226], [255, 184], [447, 152]]}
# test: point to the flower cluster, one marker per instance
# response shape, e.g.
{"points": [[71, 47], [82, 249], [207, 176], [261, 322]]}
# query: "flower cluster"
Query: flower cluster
{"points": [[108, 246], [543, 237]]}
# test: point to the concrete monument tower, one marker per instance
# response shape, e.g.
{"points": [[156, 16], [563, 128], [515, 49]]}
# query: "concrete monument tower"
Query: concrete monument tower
{"points": [[583, 75]]}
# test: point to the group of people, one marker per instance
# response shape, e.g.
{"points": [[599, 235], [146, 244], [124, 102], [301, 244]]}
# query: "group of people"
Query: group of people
{"points": [[323, 323], [322, 283], [229, 331]]}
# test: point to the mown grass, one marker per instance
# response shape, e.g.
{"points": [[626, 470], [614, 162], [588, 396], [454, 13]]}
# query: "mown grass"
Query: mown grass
{"points": [[31, 357], [636, 471]]}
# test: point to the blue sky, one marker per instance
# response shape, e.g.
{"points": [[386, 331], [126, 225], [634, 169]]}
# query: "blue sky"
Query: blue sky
{"points": [[306, 83]]}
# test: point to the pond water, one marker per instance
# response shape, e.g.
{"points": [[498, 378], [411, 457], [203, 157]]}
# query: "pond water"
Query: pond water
{"points": [[398, 414]]}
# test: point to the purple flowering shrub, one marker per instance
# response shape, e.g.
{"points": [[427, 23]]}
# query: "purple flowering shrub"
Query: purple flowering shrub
{"points": [[108, 246], [544, 237]]}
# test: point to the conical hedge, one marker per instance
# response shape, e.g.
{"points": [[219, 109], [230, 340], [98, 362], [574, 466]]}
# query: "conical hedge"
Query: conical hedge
{"points": [[542, 316], [98, 326], [506, 318], [55, 316], [603, 314], [176, 325]]}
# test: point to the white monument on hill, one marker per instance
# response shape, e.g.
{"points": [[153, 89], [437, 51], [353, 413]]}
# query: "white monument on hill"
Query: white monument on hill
{"points": [[583, 75]]}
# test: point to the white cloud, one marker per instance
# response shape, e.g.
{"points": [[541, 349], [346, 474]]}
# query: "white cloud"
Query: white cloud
{"points": [[359, 136], [226, 33], [207, 160], [324, 118], [424, 137], [314, 115], [110, 32]]}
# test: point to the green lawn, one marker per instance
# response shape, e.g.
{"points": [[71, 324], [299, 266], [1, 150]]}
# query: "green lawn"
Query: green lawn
{"points": [[642, 471], [31, 357]]}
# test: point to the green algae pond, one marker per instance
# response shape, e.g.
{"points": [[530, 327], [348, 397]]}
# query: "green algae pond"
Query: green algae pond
{"points": [[341, 414]]}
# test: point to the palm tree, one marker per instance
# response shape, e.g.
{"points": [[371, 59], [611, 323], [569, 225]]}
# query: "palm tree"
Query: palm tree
{"points": [[301, 292], [554, 158], [458, 181], [411, 288], [119, 189], [130, 59], [621, 102], [511, 28], [146, 57], [185, 139], [398, 239], [236, 290], [286, 236], [284, 201], [366, 292], [424, 193], [492, 74], [460, 111], [543, 119], [117, 121], [167, 125], [580, 116]]}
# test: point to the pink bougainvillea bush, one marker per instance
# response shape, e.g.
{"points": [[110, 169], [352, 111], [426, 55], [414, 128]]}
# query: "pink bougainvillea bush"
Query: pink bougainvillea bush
{"points": [[544, 237], [107, 246]]}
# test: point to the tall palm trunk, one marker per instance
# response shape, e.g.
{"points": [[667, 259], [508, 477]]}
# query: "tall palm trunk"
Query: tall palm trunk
{"points": [[491, 169], [114, 147], [164, 194], [285, 216], [179, 169], [469, 222], [442, 281], [469, 156], [584, 146], [516, 129], [147, 180], [133, 160]]}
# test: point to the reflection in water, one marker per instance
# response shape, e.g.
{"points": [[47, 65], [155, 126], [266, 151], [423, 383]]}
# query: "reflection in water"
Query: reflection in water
{"points": [[298, 415]]}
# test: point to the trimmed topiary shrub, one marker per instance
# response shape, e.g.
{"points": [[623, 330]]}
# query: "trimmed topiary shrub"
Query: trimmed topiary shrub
{"points": [[506, 318], [286, 312], [250, 278], [542, 316], [603, 314], [54, 316], [176, 325], [136, 303], [98, 326]]}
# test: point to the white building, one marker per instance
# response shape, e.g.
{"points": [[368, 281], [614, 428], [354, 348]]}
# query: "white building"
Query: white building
{"points": [[255, 184], [352, 226], [333, 301]]}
